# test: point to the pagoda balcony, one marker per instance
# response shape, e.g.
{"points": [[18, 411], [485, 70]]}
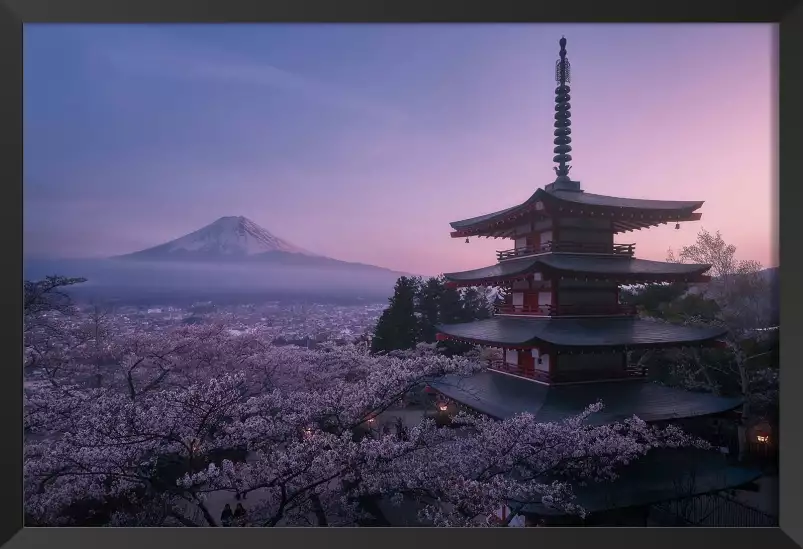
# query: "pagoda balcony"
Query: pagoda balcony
{"points": [[566, 310], [627, 250], [631, 372]]}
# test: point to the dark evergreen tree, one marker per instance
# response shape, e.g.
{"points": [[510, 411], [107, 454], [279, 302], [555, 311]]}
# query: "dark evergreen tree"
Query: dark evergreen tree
{"points": [[398, 327], [428, 306], [650, 298], [476, 305]]}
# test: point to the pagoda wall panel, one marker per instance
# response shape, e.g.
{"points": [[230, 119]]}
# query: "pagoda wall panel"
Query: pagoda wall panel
{"points": [[545, 236], [517, 298], [585, 223], [577, 296], [524, 229], [585, 236], [545, 298], [543, 366], [589, 366], [521, 284], [511, 357], [571, 283], [542, 225]]}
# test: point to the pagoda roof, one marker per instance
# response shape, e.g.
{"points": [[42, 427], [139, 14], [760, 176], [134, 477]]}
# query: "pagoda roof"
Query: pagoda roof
{"points": [[662, 475], [554, 200], [579, 332], [583, 264], [502, 396]]}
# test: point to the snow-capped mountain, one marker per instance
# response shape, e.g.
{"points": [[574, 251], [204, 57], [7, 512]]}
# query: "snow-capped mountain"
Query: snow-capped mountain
{"points": [[232, 237]]}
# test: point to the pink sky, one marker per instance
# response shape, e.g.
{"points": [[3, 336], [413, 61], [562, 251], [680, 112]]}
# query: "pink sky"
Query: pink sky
{"points": [[362, 142]]}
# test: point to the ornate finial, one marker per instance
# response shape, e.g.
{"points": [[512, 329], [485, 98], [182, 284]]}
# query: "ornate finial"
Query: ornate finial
{"points": [[562, 115]]}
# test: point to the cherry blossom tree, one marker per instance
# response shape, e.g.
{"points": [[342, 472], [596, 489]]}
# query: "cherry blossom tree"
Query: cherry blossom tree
{"points": [[186, 418], [744, 303]]}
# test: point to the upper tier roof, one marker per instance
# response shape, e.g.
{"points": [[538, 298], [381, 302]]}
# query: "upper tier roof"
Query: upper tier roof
{"points": [[627, 212], [577, 332], [637, 270], [502, 396]]}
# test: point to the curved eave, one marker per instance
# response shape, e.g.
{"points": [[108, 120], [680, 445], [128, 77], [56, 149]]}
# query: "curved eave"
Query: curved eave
{"points": [[594, 267], [627, 214], [501, 396], [588, 334]]}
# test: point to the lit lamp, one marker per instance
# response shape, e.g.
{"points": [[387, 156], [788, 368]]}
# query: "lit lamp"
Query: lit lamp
{"points": [[763, 438], [371, 420], [443, 407]]}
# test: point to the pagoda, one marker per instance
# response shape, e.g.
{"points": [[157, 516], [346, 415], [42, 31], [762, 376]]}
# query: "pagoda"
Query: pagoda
{"points": [[563, 333]]}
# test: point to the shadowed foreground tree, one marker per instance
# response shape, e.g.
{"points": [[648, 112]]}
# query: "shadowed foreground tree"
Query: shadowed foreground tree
{"points": [[739, 297]]}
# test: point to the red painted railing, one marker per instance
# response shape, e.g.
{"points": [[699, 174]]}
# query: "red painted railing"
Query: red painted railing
{"points": [[568, 247], [567, 310], [565, 377]]}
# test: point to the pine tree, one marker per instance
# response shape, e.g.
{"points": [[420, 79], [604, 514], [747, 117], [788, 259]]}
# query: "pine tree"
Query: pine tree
{"points": [[398, 327], [428, 307]]}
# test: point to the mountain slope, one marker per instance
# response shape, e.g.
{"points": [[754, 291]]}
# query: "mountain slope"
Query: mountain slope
{"points": [[238, 240], [227, 238]]}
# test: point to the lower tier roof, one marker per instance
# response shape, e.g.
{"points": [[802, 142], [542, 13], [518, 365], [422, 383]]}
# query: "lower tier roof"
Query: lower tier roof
{"points": [[627, 268], [597, 332], [502, 396]]}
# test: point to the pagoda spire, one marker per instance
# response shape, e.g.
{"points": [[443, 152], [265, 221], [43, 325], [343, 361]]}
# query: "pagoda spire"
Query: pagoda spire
{"points": [[562, 115]]}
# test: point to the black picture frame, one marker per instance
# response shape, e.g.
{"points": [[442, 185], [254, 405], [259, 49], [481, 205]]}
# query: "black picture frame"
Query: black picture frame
{"points": [[15, 13]]}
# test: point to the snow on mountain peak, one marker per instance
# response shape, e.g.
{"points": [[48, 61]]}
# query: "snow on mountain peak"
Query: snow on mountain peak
{"points": [[228, 236]]}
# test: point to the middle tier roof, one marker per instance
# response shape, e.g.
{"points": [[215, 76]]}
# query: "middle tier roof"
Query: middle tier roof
{"points": [[621, 269], [591, 333]]}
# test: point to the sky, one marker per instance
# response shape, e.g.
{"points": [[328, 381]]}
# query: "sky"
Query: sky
{"points": [[362, 142]]}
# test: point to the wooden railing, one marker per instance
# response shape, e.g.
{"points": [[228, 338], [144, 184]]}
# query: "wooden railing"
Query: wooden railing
{"points": [[566, 377], [568, 247], [567, 310]]}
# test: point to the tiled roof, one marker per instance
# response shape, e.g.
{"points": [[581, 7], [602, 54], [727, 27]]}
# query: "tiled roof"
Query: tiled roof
{"points": [[580, 332], [501, 396], [589, 264], [583, 198]]}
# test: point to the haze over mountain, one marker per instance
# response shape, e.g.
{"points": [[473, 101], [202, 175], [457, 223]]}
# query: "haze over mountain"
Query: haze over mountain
{"points": [[230, 255]]}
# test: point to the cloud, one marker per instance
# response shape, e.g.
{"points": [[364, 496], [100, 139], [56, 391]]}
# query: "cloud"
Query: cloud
{"points": [[205, 64]]}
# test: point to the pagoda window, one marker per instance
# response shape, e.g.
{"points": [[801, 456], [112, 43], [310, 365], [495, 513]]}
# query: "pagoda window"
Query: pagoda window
{"points": [[541, 361], [545, 298], [512, 357], [518, 299]]}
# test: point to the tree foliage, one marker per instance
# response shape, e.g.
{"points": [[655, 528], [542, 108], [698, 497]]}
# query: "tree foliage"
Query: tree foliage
{"points": [[187, 418], [419, 305]]}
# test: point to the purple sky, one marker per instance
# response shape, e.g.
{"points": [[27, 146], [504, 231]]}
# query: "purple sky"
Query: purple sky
{"points": [[362, 142]]}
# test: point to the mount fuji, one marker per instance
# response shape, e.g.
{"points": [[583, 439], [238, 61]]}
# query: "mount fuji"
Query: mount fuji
{"points": [[230, 256], [240, 240], [231, 237]]}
